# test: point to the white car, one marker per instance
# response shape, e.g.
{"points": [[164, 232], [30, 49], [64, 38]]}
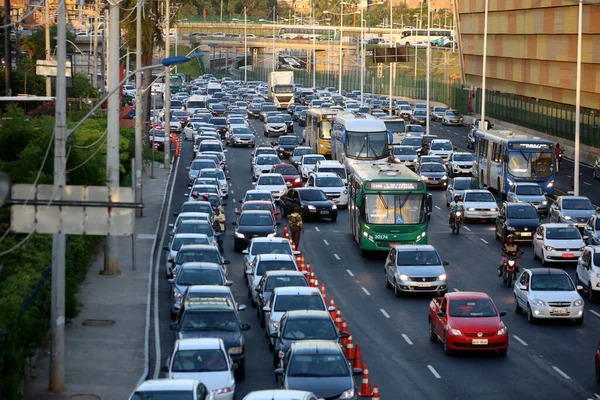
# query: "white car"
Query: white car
{"points": [[480, 204], [207, 360], [233, 123], [442, 148], [274, 183], [307, 164], [182, 239], [280, 394], [263, 164], [557, 243], [190, 130], [460, 163], [332, 185], [220, 176], [275, 125], [213, 145], [588, 272], [191, 389], [263, 263], [266, 245], [185, 216], [259, 151], [592, 229], [548, 293]]}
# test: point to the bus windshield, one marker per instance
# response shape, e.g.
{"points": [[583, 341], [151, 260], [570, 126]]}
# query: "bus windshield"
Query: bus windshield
{"points": [[531, 164], [395, 126], [390, 209], [325, 130], [363, 145]]}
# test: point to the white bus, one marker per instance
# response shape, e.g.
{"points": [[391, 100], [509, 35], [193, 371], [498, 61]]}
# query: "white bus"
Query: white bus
{"points": [[307, 32], [196, 102], [359, 138], [411, 37]]}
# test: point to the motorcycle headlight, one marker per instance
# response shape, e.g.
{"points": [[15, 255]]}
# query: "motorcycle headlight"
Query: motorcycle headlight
{"points": [[578, 303], [454, 332], [501, 331], [538, 302], [442, 277], [511, 263], [545, 202], [458, 213], [223, 390], [235, 350], [348, 394]]}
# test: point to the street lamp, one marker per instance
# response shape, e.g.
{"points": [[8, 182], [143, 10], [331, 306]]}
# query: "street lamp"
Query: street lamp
{"points": [[427, 124], [245, 43], [578, 101], [363, 47], [273, 35], [341, 14]]}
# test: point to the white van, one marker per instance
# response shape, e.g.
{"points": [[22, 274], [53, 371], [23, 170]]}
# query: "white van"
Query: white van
{"points": [[332, 166], [196, 102], [212, 88]]}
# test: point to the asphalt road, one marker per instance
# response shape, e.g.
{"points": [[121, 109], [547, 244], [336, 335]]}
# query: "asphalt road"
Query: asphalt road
{"points": [[545, 361]]}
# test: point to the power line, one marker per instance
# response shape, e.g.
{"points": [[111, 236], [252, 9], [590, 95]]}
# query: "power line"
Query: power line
{"points": [[90, 157]]}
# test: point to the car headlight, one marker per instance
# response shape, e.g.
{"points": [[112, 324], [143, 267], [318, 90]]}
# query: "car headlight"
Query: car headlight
{"points": [[454, 332], [493, 209], [271, 235], [545, 202], [396, 159], [311, 207], [444, 177], [538, 302], [567, 217], [297, 180], [425, 178], [240, 235], [404, 277], [235, 350], [416, 160], [442, 277], [549, 248], [501, 331], [334, 207], [348, 394], [578, 303], [511, 228], [274, 324], [177, 295], [223, 390], [470, 209]]}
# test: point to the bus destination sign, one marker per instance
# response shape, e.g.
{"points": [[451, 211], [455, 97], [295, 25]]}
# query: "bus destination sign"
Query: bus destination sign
{"points": [[530, 146], [394, 186]]}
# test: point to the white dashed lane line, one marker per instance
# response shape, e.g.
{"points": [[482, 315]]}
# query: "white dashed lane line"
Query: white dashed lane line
{"points": [[518, 339], [587, 183], [407, 339], [326, 242], [437, 207], [317, 229], [561, 373], [366, 291], [336, 257], [467, 228], [456, 290], [595, 313], [434, 372], [385, 314], [349, 272], [484, 241]]}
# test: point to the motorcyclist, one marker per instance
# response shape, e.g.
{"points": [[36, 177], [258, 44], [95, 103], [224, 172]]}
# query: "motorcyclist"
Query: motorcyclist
{"points": [[508, 248], [456, 205], [195, 195]]}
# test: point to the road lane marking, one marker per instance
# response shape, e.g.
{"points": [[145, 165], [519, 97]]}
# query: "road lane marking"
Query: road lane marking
{"points": [[595, 313], [467, 228], [483, 240], [434, 372], [456, 290], [317, 229], [231, 191], [326, 242], [336, 257], [366, 291], [569, 176], [587, 183], [561, 373], [455, 133], [518, 339], [407, 339], [437, 207], [349, 272], [385, 314], [233, 200]]}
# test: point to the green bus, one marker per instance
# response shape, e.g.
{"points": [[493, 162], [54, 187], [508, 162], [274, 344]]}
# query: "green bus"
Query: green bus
{"points": [[388, 205]]}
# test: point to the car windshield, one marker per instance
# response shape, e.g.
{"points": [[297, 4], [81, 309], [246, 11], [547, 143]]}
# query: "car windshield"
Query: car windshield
{"points": [[412, 141], [577, 204], [290, 302], [275, 120], [551, 282], [312, 160], [303, 152], [405, 107], [420, 113], [267, 160], [196, 206], [480, 197], [529, 190], [164, 395], [318, 365], [253, 219], [271, 248], [312, 195], [259, 196], [157, 133], [309, 329], [415, 128], [260, 152], [193, 276], [180, 241], [329, 182], [213, 173], [195, 227], [390, 209], [439, 109], [432, 167], [445, 146], [404, 151], [288, 140], [563, 233], [205, 360], [242, 131], [452, 113], [463, 157], [275, 265], [257, 207], [210, 147], [236, 121], [286, 171], [205, 189], [463, 184], [254, 107], [417, 258], [180, 114], [200, 320], [368, 146], [476, 308], [340, 171], [284, 281], [395, 126], [208, 255], [525, 211], [271, 180], [531, 164]]}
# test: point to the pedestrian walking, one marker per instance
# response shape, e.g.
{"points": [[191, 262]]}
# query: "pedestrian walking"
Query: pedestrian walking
{"points": [[219, 227], [296, 226]]}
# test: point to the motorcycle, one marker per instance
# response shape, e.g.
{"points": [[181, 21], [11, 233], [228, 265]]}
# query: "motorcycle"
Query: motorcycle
{"points": [[560, 159], [456, 219], [510, 268]]}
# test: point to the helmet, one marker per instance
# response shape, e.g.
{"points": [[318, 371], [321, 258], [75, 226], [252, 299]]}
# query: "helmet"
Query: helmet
{"points": [[510, 238], [456, 197], [195, 195], [206, 197]]}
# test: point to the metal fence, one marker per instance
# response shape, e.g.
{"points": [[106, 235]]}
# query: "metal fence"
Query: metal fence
{"points": [[547, 117]]}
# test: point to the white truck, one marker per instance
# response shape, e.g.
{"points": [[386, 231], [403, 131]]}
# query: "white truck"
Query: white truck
{"points": [[281, 88]]}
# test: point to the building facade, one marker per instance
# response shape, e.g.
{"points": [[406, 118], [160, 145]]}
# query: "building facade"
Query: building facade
{"points": [[532, 48]]}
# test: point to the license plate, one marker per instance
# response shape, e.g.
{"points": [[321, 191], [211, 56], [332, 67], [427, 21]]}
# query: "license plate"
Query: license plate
{"points": [[559, 311], [324, 212], [568, 255], [480, 341], [525, 233], [434, 181], [424, 284]]}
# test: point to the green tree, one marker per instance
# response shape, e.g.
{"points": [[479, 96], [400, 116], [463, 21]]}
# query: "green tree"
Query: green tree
{"points": [[35, 44]]}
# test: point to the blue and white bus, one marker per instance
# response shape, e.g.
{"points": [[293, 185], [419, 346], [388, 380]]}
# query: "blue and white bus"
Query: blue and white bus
{"points": [[503, 158]]}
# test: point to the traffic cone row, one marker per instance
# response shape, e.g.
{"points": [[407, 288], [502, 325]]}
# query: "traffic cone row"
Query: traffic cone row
{"points": [[365, 388], [332, 304], [350, 353], [177, 146]]}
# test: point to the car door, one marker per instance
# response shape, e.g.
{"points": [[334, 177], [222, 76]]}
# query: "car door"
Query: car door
{"points": [[538, 240], [441, 321], [500, 220], [584, 267], [589, 229], [511, 195], [390, 264], [522, 290], [555, 211]]}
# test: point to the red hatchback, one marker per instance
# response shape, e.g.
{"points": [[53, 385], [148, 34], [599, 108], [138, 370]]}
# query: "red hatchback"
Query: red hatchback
{"points": [[290, 174], [467, 321]]}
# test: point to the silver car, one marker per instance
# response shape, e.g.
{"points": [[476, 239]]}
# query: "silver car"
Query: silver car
{"points": [[575, 210], [528, 192], [592, 229], [457, 187], [416, 268]]}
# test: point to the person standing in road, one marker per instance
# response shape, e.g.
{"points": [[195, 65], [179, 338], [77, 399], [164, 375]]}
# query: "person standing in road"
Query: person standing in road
{"points": [[219, 227], [296, 226]]}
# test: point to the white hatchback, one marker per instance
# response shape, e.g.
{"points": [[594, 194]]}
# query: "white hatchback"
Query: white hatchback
{"points": [[332, 185], [273, 183], [442, 148], [557, 243], [263, 165], [480, 204], [307, 164]]}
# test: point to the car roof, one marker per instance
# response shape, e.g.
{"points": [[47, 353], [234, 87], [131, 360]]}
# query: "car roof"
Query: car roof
{"points": [[255, 191], [266, 202], [558, 225], [527, 184], [283, 165], [571, 197], [212, 303], [257, 212], [279, 394], [270, 174], [211, 142], [209, 247], [190, 235], [308, 313], [193, 214], [414, 247], [310, 346], [518, 204], [268, 239], [477, 191], [199, 343], [547, 271], [326, 175], [468, 296], [200, 265], [199, 289], [291, 290], [277, 273], [303, 147], [275, 257], [194, 221], [167, 384]]}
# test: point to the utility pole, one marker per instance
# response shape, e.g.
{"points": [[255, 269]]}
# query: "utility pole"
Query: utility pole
{"points": [[274, 63], [47, 34], [427, 121], [102, 55], [57, 318], [245, 45], [95, 77], [7, 48], [167, 147], [111, 249], [139, 192], [578, 102]]}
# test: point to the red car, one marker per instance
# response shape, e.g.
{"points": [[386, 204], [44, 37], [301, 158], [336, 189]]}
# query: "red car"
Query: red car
{"points": [[259, 205], [467, 321], [290, 174]]}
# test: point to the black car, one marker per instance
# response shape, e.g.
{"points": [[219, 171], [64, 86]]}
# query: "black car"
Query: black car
{"points": [[286, 145], [271, 280], [214, 318], [220, 124], [291, 109], [218, 109], [299, 325], [314, 204], [519, 219], [251, 224], [253, 111], [288, 121], [319, 366], [302, 118], [419, 117]]}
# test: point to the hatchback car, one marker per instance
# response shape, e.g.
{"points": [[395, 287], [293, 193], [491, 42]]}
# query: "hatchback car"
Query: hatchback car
{"points": [[588, 272], [442, 148], [437, 113], [557, 243], [307, 164], [575, 210], [452, 117], [460, 163], [332, 185], [285, 146], [518, 219], [263, 164], [275, 125], [413, 142], [298, 153], [314, 204], [548, 293], [196, 167], [415, 268], [480, 204], [271, 280], [273, 183], [182, 239], [406, 155], [528, 192], [419, 117], [241, 137], [191, 389], [290, 174], [201, 253], [251, 224], [264, 263], [433, 174]]}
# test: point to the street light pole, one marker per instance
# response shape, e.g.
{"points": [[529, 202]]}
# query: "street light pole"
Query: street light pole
{"points": [[139, 192], [341, 49], [391, 64], [274, 64], [245, 46], [95, 77], [482, 124], [427, 121], [578, 101], [314, 46], [362, 58], [47, 29], [167, 147]]}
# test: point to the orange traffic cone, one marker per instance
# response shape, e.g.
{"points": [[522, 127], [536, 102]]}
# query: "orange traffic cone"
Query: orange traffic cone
{"points": [[323, 293], [316, 282], [338, 318], [301, 264], [293, 246], [350, 354], [344, 329], [311, 279], [332, 304], [358, 362], [286, 232], [365, 389], [375, 392]]}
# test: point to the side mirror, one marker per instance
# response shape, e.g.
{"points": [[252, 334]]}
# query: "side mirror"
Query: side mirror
{"points": [[331, 308], [226, 261], [357, 371], [268, 309], [279, 372], [175, 214], [445, 263], [248, 272], [245, 327], [228, 283], [523, 287], [186, 194], [188, 168], [258, 290], [171, 281], [166, 248], [277, 212], [238, 213], [171, 260], [174, 326], [253, 183], [228, 178], [502, 313], [241, 201], [241, 307], [234, 223], [274, 335], [171, 225], [245, 251], [441, 314], [579, 289], [345, 335]]}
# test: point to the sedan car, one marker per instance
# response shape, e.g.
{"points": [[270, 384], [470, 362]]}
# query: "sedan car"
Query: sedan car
{"points": [[285, 146], [251, 224], [457, 187], [263, 263], [192, 389], [467, 321], [575, 210], [298, 153], [198, 165], [253, 111], [453, 117], [415, 268], [290, 174], [437, 113], [332, 185], [557, 243], [419, 117], [241, 137], [480, 204], [321, 366], [405, 112], [528, 192], [518, 219], [275, 125], [460, 163], [272, 280], [434, 174], [405, 155], [314, 204], [274, 183], [307, 164], [263, 165], [548, 293], [442, 148]]}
